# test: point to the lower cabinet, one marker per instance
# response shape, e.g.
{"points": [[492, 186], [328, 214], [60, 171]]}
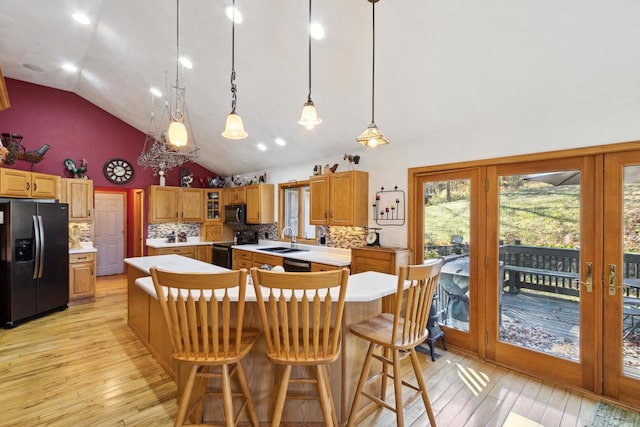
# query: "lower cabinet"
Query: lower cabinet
{"points": [[382, 260], [204, 253], [82, 277], [318, 266], [188, 251], [242, 259]]}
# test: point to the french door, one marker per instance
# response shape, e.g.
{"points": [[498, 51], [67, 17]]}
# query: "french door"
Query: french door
{"points": [[447, 207], [621, 287], [541, 316], [543, 265]]}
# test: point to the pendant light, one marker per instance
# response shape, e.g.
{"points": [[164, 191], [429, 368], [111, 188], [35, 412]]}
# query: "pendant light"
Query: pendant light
{"points": [[234, 129], [372, 136], [309, 118], [177, 132]]}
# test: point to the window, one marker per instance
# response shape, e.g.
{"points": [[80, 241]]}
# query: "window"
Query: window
{"points": [[294, 211]]}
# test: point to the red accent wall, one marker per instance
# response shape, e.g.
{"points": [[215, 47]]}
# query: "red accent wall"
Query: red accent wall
{"points": [[77, 129]]}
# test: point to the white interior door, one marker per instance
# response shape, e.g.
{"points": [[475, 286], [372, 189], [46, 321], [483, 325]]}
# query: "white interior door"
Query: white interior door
{"points": [[109, 236]]}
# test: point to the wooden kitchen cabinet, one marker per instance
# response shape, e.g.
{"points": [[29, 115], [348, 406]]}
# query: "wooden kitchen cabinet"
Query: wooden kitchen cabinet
{"points": [[261, 259], [339, 199], [191, 205], [214, 201], [19, 183], [260, 204], [164, 203], [78, 193], [241, 259], [236, 195], [82, 277], [188, 251], [382, 260], [204, 253], [318, 266], [175, 204]]}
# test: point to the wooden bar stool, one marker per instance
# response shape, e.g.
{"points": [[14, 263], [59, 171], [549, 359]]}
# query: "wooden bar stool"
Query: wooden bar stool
{"points": [[197, 310], [301, 319], [398, 336]]}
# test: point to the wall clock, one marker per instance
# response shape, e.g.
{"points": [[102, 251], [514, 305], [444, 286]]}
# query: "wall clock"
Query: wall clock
{"points": [[118, 171]]}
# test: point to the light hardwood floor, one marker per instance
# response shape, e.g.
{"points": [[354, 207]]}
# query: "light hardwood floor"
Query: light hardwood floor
{"points": [[84, 367]]}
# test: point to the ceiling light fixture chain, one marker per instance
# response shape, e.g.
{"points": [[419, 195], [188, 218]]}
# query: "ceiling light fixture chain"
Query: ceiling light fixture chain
{"points": [[234, 129], [372, 136], [309, 117]]}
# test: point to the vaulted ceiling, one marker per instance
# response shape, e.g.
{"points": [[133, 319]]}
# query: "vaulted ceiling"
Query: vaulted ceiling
{"points": [[439, 65]]}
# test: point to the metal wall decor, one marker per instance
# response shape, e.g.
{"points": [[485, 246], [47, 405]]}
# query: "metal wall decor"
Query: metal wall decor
{"points": [[389, 207]]}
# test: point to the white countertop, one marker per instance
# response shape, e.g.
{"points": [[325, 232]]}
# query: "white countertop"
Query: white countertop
{"points": [[362, 287], [86, 248], [322, 254]]}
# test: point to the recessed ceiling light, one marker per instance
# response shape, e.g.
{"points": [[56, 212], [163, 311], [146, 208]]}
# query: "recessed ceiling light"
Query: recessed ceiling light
{"points": [[33, 67], [155, 92], [262, 147], [316, 30], [70, 67], [81, 18], [280, 141], [186, 62], [229, 11]]}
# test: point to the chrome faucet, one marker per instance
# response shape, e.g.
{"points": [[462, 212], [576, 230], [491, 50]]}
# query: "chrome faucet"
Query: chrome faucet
{"points": [[292, 235]]}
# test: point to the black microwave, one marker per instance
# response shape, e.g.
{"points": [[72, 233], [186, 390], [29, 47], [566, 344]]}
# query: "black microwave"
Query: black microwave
{"points": [[235, 214]]}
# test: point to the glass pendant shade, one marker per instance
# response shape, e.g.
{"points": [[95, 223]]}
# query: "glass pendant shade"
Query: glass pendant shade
{"points": [[177, 133], [372, 137], [234, 128], [309, 118]]}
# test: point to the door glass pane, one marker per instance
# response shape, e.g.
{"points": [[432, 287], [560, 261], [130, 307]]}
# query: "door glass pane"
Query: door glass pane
{"points": [[446, 233], [631, 273], [539, 233]]}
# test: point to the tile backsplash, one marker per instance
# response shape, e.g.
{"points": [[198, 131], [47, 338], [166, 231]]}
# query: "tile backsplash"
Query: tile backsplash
{"points": [[160, 231], [335, 237]]}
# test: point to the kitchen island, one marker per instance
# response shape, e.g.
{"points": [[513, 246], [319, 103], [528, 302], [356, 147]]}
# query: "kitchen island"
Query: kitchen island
{"points": [[363, 300]]}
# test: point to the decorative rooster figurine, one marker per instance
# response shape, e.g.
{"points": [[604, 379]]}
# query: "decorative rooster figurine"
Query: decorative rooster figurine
{"points": [[78, 172], [16, 150]]}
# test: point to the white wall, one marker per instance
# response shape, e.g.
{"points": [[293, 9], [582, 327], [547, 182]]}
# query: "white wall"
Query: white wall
{"points": [[388, 165]]}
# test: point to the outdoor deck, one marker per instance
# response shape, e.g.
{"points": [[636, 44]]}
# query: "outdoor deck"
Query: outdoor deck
{"points": [[549, 323]]}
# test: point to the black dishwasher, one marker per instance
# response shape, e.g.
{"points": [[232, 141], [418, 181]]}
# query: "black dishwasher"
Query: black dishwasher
{"points": [[296, 265]]}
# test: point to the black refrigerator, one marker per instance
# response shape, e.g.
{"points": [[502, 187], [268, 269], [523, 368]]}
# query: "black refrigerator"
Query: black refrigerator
{"points": [[34, 259]]}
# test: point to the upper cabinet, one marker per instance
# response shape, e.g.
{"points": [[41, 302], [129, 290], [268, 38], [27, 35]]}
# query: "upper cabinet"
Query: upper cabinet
{"points": [[214, 201], [4, 96], [260, 203], [192, 207], [175, 204], [236, 195], [339, 199], [78, 193], [19, 183]]}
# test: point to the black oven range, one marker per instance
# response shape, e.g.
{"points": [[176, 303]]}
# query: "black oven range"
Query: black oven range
{"points": [[222, 250]]}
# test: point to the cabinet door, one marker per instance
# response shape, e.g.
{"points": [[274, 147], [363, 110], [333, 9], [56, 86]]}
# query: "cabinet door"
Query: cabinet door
{"points": [[204, 253], [192, 204], [163, 204], [15, 183], [82, 277], [211, 232], [213, 202], [342, 199], [319, 200], [253, 204], [80, 199], [44, 185]]}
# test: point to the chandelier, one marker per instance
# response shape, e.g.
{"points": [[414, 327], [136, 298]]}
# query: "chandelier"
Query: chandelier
{"points": [[158, 153], [168, 146]]}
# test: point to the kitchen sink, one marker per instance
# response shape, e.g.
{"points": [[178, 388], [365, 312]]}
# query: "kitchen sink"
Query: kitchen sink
{"points": [[282, 250]]}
